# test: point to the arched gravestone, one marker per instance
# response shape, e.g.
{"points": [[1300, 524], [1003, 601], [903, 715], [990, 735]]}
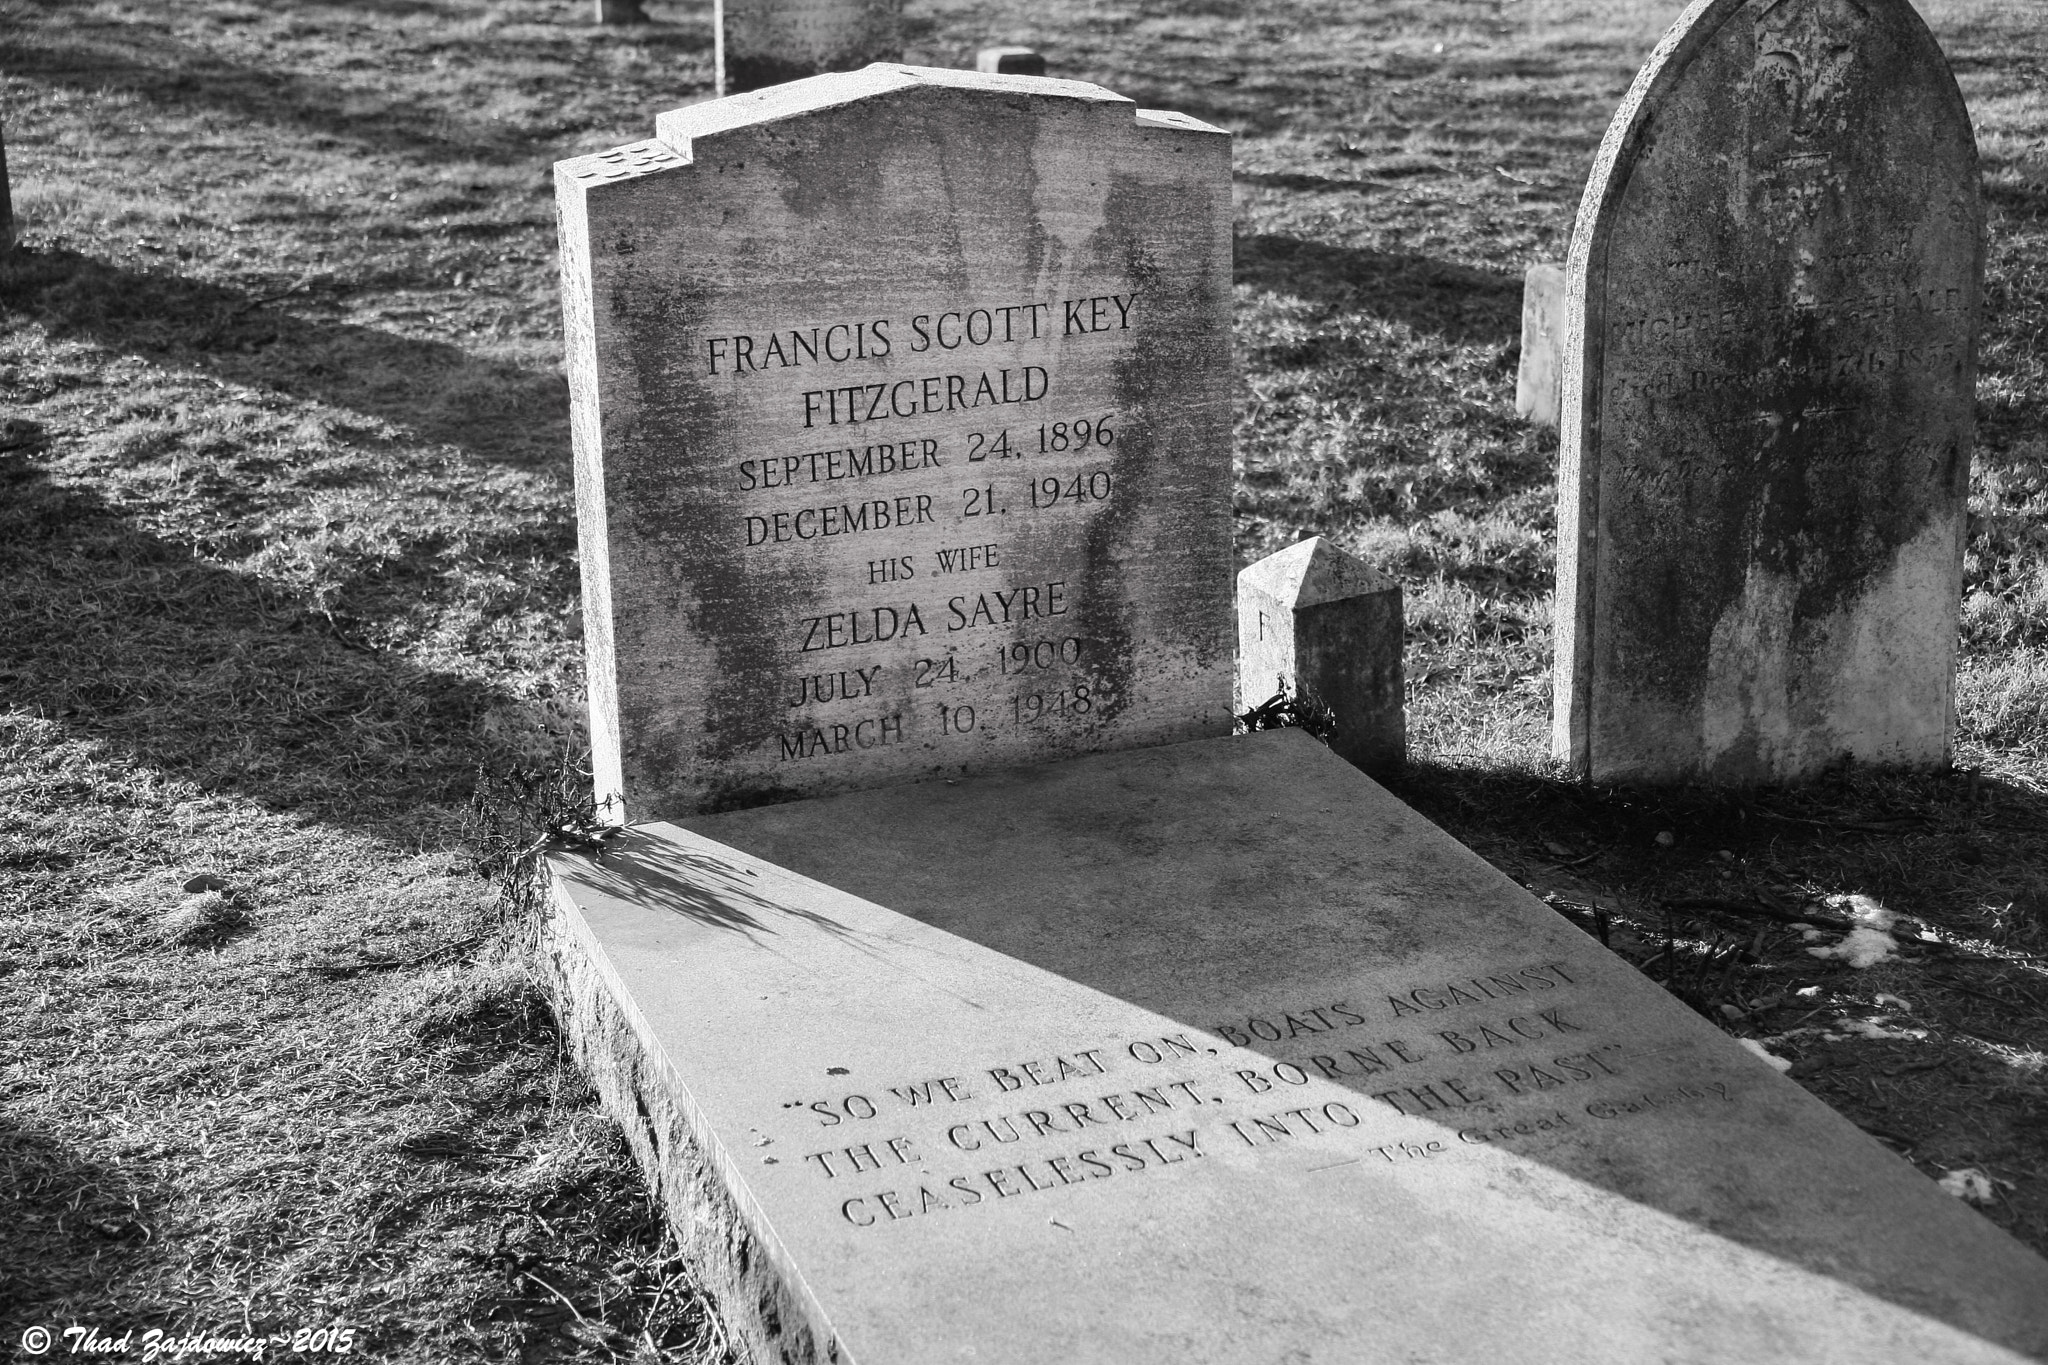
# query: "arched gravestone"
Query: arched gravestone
{"points": [[1768, 398], [901, 405]]}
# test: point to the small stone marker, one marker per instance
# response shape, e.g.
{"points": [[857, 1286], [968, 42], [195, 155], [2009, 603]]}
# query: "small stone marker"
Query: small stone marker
{"points": [[901, 404], [1541, 372], [1010, 61], [771, 42], [1212, 1053], [1314, 621], [620, 12], [1768, 402]]}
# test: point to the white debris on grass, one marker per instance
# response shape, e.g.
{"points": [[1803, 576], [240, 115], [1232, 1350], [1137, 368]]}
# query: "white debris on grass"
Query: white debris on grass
{"points": [[1864, 911], [1885, 998], [1969, 1184], [1875, 1028], [1775, 1062], [1843, 1029], [1861, 948], [1870, 941]]}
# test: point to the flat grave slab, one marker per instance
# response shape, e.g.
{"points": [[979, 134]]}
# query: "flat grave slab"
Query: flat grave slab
{"points": [[1218, 1052]]}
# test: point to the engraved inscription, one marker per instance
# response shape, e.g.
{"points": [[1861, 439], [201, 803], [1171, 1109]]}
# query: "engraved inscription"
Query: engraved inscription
{"points": [[1025, 479], [1486, 1060]]}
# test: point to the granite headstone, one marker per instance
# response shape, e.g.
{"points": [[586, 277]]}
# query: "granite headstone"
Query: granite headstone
{"points": [[901, 407], [1768, 402]]}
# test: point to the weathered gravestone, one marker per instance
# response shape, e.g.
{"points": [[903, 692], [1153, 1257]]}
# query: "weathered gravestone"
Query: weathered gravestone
{"points": [[1768, 397], [1213, 1053], [1540, 373], [901, 404], [769, 42], [1324, 628]]}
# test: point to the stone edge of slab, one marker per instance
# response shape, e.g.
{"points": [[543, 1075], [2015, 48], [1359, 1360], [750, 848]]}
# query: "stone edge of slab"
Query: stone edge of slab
{"points": [[744, 1271]]}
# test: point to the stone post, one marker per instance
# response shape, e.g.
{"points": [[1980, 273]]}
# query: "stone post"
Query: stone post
{"points": [[6, 199], [1542, 370], [1317, 621]]}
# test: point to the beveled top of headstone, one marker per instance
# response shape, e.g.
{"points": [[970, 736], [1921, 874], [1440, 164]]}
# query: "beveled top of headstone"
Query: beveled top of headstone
{"points": [[901, 402], [1311, 572], [1768, 399]]}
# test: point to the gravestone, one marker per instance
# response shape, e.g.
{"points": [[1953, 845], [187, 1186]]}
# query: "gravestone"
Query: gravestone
{"points": [[1325, 628], [1010, 61], [901, 407], [760, 43], [1211, 1053], [1541, 371], [1768, 402], [620, 12]]}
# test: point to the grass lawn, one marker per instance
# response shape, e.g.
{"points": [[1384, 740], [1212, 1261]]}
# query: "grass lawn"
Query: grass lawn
{"points": [[287, 555]]}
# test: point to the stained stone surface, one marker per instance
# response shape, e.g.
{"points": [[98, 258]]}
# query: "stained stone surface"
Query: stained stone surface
{"points": [[1216, 1052], [1317, 622], [901, 405], [1541, 371], [1768, 402], [769, 42]]}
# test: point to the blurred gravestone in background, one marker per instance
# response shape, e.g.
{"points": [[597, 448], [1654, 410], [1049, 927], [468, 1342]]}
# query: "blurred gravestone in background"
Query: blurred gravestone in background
{"points": [[1768, 403], [1010, 61], [769, 42]]}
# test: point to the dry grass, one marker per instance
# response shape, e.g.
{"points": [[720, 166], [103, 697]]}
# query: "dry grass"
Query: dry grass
{"points": [[286, 550]]}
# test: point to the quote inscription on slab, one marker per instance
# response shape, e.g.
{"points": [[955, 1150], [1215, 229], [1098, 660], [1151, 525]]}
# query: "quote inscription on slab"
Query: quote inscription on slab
{"points": [[901, 404], [1768, 403]]}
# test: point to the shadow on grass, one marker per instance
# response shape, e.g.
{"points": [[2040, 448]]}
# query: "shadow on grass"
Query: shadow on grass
{"points": [[1458, 303], [491, 409], [124, 636], [1887, 832], [152, 65], [67, 1217]]}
